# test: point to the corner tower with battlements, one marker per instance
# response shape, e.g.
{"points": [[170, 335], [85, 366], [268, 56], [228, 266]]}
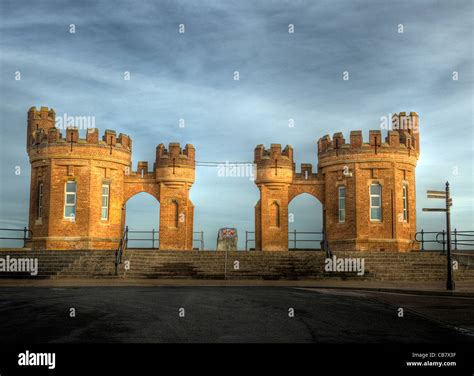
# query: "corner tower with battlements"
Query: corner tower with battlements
{"points": [[367, 189], [79, 187]]}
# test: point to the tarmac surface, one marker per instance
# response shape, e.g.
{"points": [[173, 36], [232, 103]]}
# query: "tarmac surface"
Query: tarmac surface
{"points": [[216, 314]]}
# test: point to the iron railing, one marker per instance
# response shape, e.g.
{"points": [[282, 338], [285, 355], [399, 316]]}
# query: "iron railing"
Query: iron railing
{"points": [[459, 239], [26, 234], [153, 238], [293, 239], [200, 239], [248, 240], [121, 249]]}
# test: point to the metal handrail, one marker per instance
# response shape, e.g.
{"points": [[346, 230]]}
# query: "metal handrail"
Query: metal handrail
{"points": [[200, 239], [152, 239], [440, 237], [27, 234], [155, 240], [121, 249], [247, 240], [295, 239]]}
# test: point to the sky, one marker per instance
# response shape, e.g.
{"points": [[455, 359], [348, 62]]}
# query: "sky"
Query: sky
{"points": [[282, 76]]}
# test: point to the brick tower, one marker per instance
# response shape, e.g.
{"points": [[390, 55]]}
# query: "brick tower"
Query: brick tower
{"points": [[79, 187], [367, 190]]}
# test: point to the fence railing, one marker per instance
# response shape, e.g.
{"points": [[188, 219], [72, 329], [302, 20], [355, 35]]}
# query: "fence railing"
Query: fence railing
{"points": [[293, 239], [152, 237], [23, 234], [121, 249], [460, 239]]}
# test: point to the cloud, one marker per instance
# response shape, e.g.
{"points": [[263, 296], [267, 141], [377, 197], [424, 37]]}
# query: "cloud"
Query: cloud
{"points": [[190, 76]]}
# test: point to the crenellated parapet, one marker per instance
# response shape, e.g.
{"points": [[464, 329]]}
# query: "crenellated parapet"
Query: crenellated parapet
{"points": [[175, 155], [275, 155], [46, 141], [306, 173], [403, 139], [274, 166]]}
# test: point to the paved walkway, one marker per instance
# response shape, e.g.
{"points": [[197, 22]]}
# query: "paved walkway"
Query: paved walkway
{"points": [[208, 314], [428, 288]]}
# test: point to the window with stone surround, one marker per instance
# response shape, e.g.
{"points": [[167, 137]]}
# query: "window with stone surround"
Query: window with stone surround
{"points": [[105, 202], [376, 202], [342, 203], [405, 203], [70, 200]]}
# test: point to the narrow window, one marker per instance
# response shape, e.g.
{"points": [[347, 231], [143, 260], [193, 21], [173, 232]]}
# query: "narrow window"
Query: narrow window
{"points": [[70, 200], [342, 204], [405, 203], [275, 214], [175, 212], [375, 202], [39, 211], [105, 202]]}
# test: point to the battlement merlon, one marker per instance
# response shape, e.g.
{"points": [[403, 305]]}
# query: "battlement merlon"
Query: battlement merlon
{"points": [[43, 113], [175, 155], [403, 137], [54, 137], [43, 119], [306, 173], [42, 131], [275, 156]]}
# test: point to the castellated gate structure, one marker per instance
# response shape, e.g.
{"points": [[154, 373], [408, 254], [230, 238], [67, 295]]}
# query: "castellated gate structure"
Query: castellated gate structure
{"points": [[367, 189], [79, 188]]}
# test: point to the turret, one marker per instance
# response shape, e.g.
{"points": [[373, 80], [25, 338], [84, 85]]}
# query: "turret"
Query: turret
{"points": [[274, 165], [175, 164], [38, 124]]}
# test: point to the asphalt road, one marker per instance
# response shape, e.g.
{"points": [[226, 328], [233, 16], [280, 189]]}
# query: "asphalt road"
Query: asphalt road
{"points": [[229, 314]]}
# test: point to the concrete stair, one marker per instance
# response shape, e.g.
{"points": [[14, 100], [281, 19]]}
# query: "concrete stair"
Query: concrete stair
{"points": [[50, 263], [415, 266]]}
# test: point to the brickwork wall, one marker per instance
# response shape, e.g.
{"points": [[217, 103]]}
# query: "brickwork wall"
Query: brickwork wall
{"points": [[91, 162], [354, 165]]}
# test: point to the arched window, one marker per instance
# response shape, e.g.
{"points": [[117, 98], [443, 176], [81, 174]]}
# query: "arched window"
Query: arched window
{"points": [[175, 213], [275, 214]]}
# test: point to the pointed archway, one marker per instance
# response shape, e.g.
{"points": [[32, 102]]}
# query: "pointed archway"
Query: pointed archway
{"points": [[305, 222], [142, 217]]}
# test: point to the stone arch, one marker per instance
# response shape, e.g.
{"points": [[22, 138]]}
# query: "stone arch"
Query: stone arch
{"points": [[133, 188], [315, 190], [141, 212], [305, 221]]}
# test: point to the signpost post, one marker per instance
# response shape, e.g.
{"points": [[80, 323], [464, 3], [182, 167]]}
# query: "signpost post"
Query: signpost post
{"points": [[449, 202]]}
